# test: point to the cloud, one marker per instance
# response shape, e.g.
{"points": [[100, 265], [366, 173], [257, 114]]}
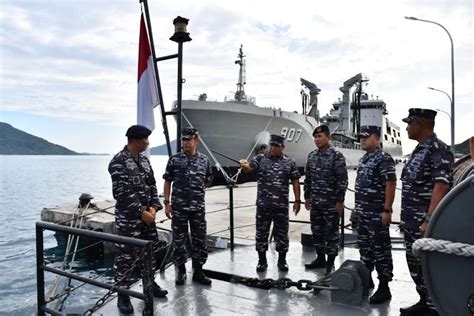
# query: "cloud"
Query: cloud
{"points": [[77, 60]]}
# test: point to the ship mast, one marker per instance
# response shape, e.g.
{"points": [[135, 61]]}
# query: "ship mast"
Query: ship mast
{"points": [[240, 93]]}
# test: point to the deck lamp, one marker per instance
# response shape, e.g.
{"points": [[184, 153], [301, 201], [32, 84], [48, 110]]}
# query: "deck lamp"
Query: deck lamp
{"points": [[180, 30]]}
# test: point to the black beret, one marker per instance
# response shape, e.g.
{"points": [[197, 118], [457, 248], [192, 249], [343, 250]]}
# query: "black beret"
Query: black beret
{"points": [[277, 139], [368, 130], [138, 132], [419, 113], [321, 129], [188, 132]]}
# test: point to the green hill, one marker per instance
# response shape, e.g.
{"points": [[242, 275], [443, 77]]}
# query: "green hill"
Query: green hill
{"points": [[161, 150], [463, 147], [16, 142]]}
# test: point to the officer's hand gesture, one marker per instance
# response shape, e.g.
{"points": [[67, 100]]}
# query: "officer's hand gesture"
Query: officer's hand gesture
{"points": [[386, 218], [296, 207], [169, 211], [339, 207], [152, 210], [307, 204], [148, 217]]}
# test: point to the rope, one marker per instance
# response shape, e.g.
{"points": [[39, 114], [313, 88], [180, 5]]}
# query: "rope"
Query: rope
{"points": [[444, 246], [218, 165]]}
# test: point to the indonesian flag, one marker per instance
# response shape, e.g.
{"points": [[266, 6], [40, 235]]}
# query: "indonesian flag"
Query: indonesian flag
{"points": [[147, 94]]}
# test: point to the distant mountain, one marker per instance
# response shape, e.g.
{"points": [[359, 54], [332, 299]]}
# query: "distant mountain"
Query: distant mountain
{"points": [[462, 148], [161, 150], [16, 142]]}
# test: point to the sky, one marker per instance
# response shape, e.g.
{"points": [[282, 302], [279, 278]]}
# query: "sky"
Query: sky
{"points": [[68, 69]]}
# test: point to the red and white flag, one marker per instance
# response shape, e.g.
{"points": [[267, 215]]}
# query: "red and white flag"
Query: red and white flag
{"points": [[147, 94]]}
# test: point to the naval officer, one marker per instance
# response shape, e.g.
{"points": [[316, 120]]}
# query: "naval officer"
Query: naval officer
{"points": [[374, 194], [325, 187], [426, 178], [136, 195], [190, 173], [275, 170]]}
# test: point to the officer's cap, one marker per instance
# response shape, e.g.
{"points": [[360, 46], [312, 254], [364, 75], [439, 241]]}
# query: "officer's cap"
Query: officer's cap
{"points": [[276, 140], [138, 132], [188, 132], [414, 113], [321, 129], [367, 130]]}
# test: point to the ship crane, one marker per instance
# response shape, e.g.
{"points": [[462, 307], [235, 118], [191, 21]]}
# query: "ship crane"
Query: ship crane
{"points": [[345, 115], [313, 99]]}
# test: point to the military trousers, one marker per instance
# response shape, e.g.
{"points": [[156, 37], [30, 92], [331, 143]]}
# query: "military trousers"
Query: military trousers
{"points": [[412, 233], [197, 224], [325, 228], [280, 218], [127, 254], [375, 246]]}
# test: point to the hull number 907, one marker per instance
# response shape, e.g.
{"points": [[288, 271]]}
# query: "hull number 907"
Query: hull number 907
{"points": [[291, 134]]}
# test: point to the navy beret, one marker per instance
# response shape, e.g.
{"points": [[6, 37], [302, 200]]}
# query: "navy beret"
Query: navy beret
{"points": [[368, 130], [321, 129], [277, 139], [189, 132], [137, 132], [419, 113]]}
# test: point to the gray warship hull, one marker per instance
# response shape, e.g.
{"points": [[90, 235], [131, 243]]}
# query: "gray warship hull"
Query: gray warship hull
{"points": [[241, 131]]}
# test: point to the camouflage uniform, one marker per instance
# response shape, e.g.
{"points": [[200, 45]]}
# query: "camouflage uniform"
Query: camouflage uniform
{"points": [[188, 175], [430, 162], [375, 169], [325, 184], [273, 177], [134, 189]]}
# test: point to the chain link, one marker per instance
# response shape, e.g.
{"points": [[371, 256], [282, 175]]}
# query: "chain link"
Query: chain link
{"points": [[101, 301], [281, 284]]}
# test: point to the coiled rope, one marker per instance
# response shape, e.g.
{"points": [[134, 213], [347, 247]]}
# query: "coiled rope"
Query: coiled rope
{"points": [[444, 246]]}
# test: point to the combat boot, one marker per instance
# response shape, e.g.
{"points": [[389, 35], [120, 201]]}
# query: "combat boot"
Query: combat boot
{"points": [[282, 265], [180, 275], [124, 305], [158, 291], [199, 276], [262, 261], [330, 263], [420, 308], [382, 294], [319, 262]]}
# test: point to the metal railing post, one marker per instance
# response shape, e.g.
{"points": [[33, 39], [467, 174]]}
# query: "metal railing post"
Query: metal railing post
{"points": [[39, 271], [148, 280], [341, 239], [231, 209]]}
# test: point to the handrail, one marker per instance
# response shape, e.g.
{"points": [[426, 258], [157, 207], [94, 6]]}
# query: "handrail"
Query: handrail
{"points": [[147, 294]]}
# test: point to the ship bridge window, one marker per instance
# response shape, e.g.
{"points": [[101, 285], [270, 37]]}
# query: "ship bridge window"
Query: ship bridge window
{"points": [[389, 130], [393, 141], [386, 138], [398, 134]]}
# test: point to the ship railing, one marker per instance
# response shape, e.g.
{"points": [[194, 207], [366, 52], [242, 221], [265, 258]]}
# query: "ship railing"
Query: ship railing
{"points": [[348, 146], [246, 100], [41, 267]]}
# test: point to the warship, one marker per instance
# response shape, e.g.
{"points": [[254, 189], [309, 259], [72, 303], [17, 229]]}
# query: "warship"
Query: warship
{"points": [[237, 128]]}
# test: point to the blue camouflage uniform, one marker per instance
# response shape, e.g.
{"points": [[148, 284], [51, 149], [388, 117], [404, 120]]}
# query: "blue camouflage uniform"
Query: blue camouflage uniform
{"points": [[430, 162], [325, 184], [375, 169], [189, 174], [273, 176], [134, 189]]}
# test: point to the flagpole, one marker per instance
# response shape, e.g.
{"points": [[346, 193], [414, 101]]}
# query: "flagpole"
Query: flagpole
{"points": [[160, 95]]}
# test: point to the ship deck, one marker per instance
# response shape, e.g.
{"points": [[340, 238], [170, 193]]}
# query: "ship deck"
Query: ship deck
{"points": [[223, 298]]}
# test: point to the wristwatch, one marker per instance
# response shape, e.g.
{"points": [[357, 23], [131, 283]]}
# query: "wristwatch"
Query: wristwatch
{"points": [[166, 202], [388, 210], [427, 218]]}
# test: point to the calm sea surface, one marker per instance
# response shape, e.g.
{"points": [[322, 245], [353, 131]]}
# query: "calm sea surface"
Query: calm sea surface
{"points": [[29, 183]]}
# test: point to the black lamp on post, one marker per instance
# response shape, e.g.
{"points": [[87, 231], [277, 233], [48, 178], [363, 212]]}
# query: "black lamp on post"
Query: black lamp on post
{"points": [[180, 36]]}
